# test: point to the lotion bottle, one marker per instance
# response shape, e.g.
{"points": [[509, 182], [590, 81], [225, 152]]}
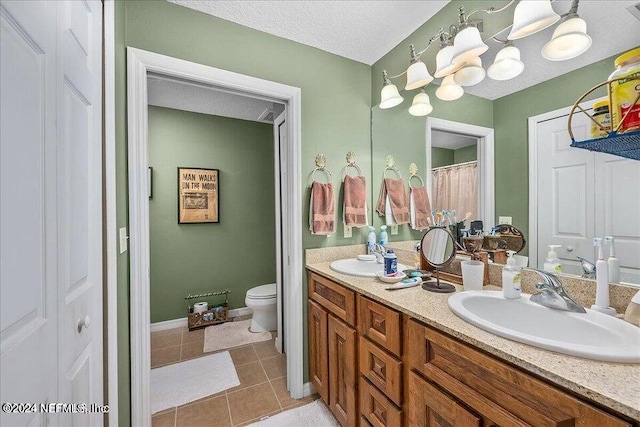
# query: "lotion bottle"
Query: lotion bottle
{"points": [[552, 263], [384, 237], [511, 278], [602, 279], [614, 263], [371, 240]]}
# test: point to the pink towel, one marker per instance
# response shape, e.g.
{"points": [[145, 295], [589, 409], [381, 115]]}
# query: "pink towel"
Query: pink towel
{"points": [[322, 208], [422, 207], [394, 188], [355, 199]]}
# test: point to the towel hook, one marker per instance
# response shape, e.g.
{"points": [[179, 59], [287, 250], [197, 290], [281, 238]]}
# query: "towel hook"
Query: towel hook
{"points": [[351, 163], [390, 162], [413, 173], [321, 162]]}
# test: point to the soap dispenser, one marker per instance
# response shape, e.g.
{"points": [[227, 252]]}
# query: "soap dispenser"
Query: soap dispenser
{"points": [[511, 278], [614, 263], [384, 237], [552, 263], [371, 240], [602, 279]]}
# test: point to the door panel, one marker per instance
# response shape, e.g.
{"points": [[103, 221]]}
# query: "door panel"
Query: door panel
{"points": [[318, 348], [28, 291], [342, 372]]}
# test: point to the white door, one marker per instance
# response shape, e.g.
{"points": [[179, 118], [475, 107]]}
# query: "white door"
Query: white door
{"points": [[279, 138], [51, 208], [582, 195]]}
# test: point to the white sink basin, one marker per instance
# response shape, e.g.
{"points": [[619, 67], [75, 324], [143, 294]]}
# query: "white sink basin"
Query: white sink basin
{"points": [[355, 267], [592, 335]]}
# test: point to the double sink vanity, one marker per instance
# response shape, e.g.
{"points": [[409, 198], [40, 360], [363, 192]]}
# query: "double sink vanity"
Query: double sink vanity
{"points": [[414, 358]]}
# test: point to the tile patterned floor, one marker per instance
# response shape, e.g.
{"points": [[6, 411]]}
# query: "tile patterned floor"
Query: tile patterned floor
{"points": [[263, 382]]}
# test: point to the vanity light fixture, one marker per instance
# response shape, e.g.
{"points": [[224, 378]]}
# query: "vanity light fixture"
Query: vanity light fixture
{"points": [[458, 61], [421, 105], [570, 38], [389, 96], [507, 64]]}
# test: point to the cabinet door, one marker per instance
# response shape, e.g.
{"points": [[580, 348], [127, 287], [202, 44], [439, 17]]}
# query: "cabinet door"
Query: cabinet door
{"points": [[430, 407], [318, 349], [342, 372]]}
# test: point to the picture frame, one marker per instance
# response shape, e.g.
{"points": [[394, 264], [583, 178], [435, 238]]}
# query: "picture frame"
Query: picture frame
{"points": [[198, 195]]}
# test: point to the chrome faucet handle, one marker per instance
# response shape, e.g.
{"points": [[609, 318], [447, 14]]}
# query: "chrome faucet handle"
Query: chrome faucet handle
{"points": [[560, 298]]}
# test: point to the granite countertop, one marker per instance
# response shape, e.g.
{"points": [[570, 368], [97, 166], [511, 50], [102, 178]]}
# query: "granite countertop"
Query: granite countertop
{"points": [[613, 385]]}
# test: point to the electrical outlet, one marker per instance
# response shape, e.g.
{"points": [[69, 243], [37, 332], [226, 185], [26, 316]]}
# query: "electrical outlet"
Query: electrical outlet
{"points": [[505, 220], [347, 232], [394, 229]]}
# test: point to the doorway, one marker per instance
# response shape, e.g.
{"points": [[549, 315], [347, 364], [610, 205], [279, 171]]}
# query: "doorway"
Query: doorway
{"points": [[463, 137], [140, 64]]}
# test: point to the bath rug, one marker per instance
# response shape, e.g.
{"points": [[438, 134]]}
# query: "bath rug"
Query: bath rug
{"points": [[184, 382], [314, 414], [231, 334]]}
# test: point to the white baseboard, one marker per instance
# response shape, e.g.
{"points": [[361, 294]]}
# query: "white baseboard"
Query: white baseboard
{"points": [[178, 323], [308, 389]]}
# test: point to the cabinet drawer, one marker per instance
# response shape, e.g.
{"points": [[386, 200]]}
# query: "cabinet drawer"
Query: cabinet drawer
{"points": [[380, 324], [376, 408], [382, 369], [505, 394], [336, 298], [430, 407]]}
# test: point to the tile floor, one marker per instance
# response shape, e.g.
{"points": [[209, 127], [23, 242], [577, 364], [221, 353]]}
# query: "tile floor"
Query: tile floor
{"points": [[263, 382]]}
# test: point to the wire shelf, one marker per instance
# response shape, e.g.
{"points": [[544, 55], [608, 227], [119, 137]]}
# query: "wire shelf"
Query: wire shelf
{"points": [[619, 144]]}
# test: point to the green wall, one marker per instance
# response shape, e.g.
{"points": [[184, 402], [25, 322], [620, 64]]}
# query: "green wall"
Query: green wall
{"points": [[336, 110], [511, 114], [465, 154], [198, 258], [441, 157]]}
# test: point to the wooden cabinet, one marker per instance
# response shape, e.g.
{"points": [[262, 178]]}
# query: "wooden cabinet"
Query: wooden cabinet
{"points": [[398, 371], [333, 361]]}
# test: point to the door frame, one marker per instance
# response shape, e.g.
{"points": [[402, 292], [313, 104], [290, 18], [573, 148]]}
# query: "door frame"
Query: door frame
{"points": [[486, 163], [277, 157], [533, 171], [139, 64]]}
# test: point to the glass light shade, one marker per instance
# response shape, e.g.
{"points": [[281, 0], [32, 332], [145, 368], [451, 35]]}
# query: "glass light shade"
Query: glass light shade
{"points": [[507, 64], [530, 17], [471, 74], [449, 90], [570, 39], [421, 105], [389, 96], [468, 44], [417, 76], [444, 66]]}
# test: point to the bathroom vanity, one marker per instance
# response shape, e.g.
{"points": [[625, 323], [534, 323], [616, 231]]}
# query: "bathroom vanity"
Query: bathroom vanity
{"points": [[394, 358]]}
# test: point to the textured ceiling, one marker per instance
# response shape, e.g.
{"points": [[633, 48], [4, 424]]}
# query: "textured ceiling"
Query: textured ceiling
{"points": [[451, 141], [612, 29], [360, 30], [190, 97]]}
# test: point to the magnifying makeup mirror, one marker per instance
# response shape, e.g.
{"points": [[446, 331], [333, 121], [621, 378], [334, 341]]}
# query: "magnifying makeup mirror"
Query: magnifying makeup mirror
{"points": [[438, 249]]}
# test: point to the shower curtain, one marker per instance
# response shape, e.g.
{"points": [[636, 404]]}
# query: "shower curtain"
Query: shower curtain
{"points": [[455, 187]]}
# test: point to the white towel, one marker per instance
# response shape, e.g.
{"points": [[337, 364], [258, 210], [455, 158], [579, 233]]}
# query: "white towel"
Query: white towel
{"points": [[388, 214]]}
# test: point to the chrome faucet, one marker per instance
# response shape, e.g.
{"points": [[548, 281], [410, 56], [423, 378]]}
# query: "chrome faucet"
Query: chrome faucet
{"points": [[379, 251], [553, 295], [588, 268]]}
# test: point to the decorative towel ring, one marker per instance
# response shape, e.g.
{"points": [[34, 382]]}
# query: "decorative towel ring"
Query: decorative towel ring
{"points": [[351, 163], [321, 162], [413, 173], [390, 166]]}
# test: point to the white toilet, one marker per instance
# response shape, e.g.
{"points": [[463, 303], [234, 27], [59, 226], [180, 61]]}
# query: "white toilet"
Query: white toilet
{"points": [[262, 301]]}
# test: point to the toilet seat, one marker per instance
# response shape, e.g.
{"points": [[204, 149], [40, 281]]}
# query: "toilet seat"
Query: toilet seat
{"points": [[262, 292]]}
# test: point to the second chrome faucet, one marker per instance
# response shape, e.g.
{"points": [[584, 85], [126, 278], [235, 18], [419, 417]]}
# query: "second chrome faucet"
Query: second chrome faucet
{"points": [[553, 295]]}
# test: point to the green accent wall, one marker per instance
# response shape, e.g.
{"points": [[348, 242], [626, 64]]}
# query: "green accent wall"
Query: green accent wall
{"points": [[336, 112], [465, 154], [441, 157], [198, 258]]}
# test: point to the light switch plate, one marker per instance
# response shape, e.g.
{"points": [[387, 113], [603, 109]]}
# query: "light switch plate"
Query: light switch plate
{"points": [[394, 229], [505, 220], [123, 239], [347, 232]]}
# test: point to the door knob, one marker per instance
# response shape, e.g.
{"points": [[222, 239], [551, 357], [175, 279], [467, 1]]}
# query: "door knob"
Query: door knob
{"points": [[569, 248], [84, 323]]}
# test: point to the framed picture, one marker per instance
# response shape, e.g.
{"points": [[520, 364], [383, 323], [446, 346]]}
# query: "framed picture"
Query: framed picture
{"points": [[198, 195]]}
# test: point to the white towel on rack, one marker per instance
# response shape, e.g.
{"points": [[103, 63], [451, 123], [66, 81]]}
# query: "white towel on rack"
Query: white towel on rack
{"points": [[412, 211], [388, 214]]}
